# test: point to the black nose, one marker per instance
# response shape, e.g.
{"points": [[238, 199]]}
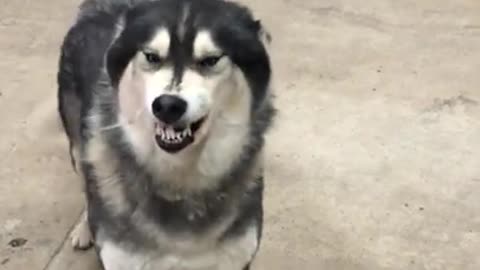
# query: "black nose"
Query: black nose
{"points": [[169, 108]]}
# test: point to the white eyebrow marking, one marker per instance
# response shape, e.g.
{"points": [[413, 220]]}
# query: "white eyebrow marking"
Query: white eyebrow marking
{"points": [[160, 42], [204, 46]]}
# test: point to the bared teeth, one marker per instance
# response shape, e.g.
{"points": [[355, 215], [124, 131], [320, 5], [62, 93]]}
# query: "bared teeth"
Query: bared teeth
{"points": [[169, 135]]}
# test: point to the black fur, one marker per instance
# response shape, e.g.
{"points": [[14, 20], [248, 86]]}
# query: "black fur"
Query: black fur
{"points": [[90, 69]]}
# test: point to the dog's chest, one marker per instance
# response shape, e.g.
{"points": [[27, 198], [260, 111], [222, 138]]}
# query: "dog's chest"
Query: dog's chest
{"points": [[234, 253]]}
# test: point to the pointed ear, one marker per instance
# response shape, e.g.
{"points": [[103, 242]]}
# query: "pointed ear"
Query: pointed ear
{"points": [[263, 34]]}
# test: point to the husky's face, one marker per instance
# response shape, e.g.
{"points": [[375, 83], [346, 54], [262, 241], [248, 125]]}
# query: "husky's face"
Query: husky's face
{"points": [[180, 65], [180, 104]]}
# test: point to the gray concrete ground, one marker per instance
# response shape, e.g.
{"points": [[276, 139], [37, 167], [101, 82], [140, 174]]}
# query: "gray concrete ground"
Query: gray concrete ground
{"points": [[374, 162]]}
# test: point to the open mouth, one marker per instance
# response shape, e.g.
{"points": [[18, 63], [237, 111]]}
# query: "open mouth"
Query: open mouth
{"points": [[172, 138]]}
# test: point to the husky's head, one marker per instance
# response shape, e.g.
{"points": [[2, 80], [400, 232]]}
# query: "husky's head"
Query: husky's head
{"points": [[188, 71]]}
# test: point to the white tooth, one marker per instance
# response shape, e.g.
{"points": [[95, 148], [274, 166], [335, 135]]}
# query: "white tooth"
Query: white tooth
{"points": [[170, 133], [163, 135], [189, 132]]}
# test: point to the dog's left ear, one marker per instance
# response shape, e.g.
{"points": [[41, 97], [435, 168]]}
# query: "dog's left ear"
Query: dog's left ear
{"points": [[262, 33]]}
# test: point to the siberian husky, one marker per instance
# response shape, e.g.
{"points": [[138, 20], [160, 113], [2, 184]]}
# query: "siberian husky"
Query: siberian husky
{"points": [[166, 104]]}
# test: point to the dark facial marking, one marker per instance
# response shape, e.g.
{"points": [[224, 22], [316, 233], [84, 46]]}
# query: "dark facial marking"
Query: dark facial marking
{"points": [[232, 27]]}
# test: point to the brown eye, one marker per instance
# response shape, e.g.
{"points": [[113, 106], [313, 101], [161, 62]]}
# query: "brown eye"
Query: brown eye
{"points": [[209, 62], [153, 58]]}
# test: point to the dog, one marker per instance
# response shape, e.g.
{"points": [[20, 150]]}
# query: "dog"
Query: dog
{"points": [[166, 104]]}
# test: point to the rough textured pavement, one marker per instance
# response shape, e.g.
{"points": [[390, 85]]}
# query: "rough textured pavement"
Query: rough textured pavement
{"points": [[374, 162]]}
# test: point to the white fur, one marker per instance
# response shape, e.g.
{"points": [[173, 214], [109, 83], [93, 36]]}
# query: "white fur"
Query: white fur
{"points": [[81, 236], [233, 254], [197, 94], [160, 43], [204, 45], [155, 85]]}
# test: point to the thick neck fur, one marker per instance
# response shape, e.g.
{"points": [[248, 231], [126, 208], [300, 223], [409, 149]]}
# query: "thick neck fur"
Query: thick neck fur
{"points": [[227, 163]]}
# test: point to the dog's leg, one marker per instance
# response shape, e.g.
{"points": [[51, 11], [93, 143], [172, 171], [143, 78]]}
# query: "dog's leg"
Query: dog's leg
{"points": [[81, 236]]}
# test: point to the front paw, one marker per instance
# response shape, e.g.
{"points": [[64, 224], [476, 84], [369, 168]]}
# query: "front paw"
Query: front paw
{"points": [[81, 237]]}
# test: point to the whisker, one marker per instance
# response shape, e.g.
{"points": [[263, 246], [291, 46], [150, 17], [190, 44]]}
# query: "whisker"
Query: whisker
{"points": [[137, 115], [110, 127]]}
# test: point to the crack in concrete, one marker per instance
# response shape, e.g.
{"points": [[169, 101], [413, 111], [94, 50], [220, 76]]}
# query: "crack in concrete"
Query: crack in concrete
{"points": [[62, 243]]}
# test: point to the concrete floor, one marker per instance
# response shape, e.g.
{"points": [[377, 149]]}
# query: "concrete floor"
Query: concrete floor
{"points": [[374, 162]]}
